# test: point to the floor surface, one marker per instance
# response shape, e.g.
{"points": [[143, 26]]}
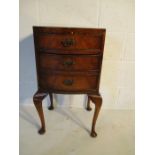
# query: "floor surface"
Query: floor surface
{"points": [[68, 129]]}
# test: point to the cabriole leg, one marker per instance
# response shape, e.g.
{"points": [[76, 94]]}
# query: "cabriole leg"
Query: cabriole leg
{"points": [[51, 107], [37, 99], [97, 100], [88, 105]]}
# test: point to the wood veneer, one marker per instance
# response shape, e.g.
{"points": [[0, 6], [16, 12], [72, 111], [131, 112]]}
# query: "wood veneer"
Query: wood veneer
{"points": [[68, 61]]}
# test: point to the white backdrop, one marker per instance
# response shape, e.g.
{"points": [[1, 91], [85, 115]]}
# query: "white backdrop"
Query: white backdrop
{"points": [[117, 16]]}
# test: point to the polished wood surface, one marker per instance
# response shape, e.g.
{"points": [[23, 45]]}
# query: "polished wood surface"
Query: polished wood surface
{"points": [[66, 81], [68, 61], [69, 42], [37, 99]]}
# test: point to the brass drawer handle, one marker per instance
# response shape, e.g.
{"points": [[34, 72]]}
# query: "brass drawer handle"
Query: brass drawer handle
{"points": [[68, 82], [68, 42], [68, 63]]}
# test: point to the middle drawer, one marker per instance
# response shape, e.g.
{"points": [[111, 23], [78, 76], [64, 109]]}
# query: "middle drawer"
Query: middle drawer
{"points": [[69, 62]]}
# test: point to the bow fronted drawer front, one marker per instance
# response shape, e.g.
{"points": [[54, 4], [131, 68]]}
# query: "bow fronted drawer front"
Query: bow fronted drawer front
{"points": [[65, 81], [70, 62], [71, 41]]}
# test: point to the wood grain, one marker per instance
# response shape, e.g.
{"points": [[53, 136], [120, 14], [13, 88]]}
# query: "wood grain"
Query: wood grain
{"points": [[68, 61]]}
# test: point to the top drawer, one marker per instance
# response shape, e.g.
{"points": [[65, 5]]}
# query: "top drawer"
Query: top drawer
{"points": [[48, 39], [75, 41]]}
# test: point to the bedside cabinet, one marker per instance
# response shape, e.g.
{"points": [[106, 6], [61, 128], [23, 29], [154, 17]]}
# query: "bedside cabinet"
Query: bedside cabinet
{"points": [[68, 61]]}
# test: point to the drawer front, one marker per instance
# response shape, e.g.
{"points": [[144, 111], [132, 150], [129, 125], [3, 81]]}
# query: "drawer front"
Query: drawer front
{"points": [[69, 42], [69, 82], [69, 62]]}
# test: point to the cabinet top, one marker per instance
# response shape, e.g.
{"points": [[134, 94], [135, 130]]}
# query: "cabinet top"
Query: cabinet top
{"points": [[76, 29], [68, 27]]}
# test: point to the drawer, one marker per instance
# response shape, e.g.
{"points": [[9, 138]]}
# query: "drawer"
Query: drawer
{"points": [[48, 42], [69, 81], [69, 62]]}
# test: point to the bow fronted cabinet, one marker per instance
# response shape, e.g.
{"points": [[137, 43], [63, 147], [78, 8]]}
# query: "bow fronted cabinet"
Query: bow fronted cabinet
{"points": [[68, 61]]}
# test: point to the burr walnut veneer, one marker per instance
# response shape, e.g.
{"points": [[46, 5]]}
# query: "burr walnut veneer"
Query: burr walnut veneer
{"points": [[68, 61]]}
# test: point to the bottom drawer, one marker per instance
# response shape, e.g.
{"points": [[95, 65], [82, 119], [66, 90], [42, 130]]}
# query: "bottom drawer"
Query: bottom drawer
{"points": [[69, 82]]}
